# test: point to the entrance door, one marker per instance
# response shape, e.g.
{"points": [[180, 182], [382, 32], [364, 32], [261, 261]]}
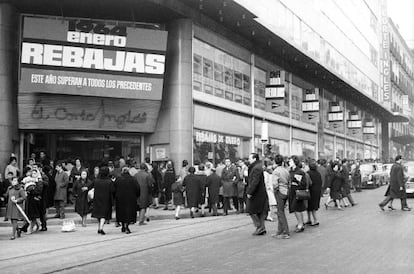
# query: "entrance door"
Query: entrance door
{"points": [[92, 149]]}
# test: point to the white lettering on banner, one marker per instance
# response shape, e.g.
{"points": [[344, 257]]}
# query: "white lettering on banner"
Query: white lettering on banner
{"points": [[96, 39], [89, 58], [210, 137], [52, 79]]}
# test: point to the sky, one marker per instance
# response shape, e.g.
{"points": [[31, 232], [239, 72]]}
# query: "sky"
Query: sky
{"points": [[402, 14]]}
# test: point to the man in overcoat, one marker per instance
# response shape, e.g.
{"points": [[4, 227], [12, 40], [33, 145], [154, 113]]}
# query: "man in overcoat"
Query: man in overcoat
{"points": [[229, 180], [213, 184], [145, 182], [257, 201], [62, 182], [397, 185]]}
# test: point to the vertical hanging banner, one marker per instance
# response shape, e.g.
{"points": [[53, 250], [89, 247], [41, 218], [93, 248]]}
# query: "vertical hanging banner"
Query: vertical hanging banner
{"points": [[336, 117], [310, 106], [275, 92], [354, 125]]}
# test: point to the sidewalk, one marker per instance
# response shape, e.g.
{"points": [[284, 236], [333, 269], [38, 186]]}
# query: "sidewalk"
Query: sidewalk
{"points": [[70, 214]]}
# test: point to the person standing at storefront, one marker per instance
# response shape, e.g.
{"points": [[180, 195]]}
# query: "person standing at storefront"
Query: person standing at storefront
{"points": [[193, 191], [80, 191], [157, 176], [169, 179], [257, 202], [44, 196], [127, 192], [241, 185], [315, 194], [62, 181], [12, 167], [102, 199], [145, 182], [15, 196], [324, 173], [229, 181], [202, 180], [219, 171], [280, 181], [297, 182], [213, 185]]}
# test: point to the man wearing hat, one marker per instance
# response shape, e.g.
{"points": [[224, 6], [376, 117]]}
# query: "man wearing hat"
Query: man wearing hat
{"points": [[213, 184], [397, 186]]}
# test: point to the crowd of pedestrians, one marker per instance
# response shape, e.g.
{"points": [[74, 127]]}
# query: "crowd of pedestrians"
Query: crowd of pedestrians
{"points": [[260, 187]]}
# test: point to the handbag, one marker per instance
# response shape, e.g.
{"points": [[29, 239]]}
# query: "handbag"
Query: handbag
{"points": [[68, 226], [302, 194], [91, 194]]}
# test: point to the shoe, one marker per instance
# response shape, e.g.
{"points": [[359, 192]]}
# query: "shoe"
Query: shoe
{"points": [[177, 218], [382, 207], [19, 233], [24, 228], [281, 236], [340, 208], [127, 231], [117, 224], [102, 232], [259, 232], [123, 229], [191, 214], [308, 223], [406, 209], [142, 223], [315, 224], [165, 208], [270, 219], [301, 229], [12, 238], [43, 229], [354, 204], [148, 219], [391, 208]]}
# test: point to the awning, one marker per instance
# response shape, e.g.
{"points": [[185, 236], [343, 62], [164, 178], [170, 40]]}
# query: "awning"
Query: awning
{"points": [[404, 139]]}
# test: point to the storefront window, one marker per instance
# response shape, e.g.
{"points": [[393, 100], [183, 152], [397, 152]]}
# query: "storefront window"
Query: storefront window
{"points": [[215, 147], [297, 148], [350, 150], [329, 147], [340, 148], [280, 146], [259, 88], [220, 74], [309, 150], [360, 151]]}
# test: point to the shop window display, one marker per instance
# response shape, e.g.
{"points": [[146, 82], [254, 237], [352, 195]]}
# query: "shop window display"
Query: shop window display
{"points": [[220, 74]]}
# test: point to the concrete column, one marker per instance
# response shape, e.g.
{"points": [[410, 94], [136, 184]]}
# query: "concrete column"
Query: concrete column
{"points": [[178, 94], [9, 26], [385, 141]]}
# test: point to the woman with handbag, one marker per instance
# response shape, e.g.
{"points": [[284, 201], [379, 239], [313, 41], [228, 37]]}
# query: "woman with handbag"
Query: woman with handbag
{"points": [[102, 198], [315, 191], [298, 193], [80, 191], [334, 186]]}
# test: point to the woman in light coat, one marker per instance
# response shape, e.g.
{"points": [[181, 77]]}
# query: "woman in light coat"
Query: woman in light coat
{"points": [[269, 189]]}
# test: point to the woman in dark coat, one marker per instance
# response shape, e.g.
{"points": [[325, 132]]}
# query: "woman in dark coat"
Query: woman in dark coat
{"points": [[334, 186], [34, 188], [315, 190], [145, 182], [193, 190], [102, 200], [356, 178], [126, 195], [80, 191], [157, 176], [297, 182], [178, 197], [169, 179]]}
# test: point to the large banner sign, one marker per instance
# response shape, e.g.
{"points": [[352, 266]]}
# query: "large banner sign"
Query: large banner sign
{"points": [[91, 58], [74, 56]]}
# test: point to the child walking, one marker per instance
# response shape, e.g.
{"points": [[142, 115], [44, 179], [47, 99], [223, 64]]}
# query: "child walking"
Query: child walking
{"points": [[16, 195]]}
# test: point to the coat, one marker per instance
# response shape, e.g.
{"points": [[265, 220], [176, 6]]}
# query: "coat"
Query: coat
{"points": [[177, 192], [127, 192], [145, 182], [269, 188], [169, 179], [315, 190], [34, 204], [81, 203], [62, 182], [258, 202], [346, 187], [202, 180], [229, 180], [213, 184], [335, 183], [397, 181], [297, 205], [157, 176], [102, 200], [12, 212], [192, 186]]}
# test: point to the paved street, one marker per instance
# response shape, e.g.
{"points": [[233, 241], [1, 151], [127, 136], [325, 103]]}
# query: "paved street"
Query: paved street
{"points": [[361, 239]]}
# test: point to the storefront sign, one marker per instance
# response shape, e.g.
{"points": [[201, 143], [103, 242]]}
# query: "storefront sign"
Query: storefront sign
{"points": [[385, 57], [216, 138], [83, 56], [42, 111]]}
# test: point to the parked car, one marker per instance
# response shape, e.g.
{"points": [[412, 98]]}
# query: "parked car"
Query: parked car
{"points": [[366, 175], [409, 187], [409, 168], [374, 175]]}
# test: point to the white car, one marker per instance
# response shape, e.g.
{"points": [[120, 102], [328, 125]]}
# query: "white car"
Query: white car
{"points": [[409, 187]]}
